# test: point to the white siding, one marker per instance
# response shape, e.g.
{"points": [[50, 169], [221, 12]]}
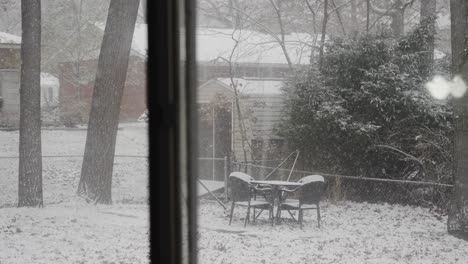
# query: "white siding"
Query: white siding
{"points": [[10, 84], [261, 113]]}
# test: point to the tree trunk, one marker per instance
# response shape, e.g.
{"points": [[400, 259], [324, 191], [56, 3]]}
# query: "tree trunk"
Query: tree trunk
{"points": [[30, 156], [428, 13], [398, 22], [96, 173], [458, 214], [367, 15], [324, 32], [354, 20], [396, 12]]}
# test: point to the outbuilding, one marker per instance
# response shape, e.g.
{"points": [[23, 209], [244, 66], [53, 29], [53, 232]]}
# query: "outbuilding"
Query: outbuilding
{"points": [[239, 124]]}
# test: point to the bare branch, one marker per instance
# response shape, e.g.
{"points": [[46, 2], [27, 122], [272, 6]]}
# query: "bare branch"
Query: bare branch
{"points": [[401, 152], [384, 12], [336, 8], [339, 16], [389, 12], [280, 22]]}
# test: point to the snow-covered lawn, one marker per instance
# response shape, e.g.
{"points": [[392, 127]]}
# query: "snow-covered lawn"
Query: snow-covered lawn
{"points": [[74, 233], [67, 230], [350, 233]]}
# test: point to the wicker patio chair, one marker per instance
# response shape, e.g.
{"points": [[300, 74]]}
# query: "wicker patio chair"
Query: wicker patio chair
{"points": [[242, 192], [308, 195]]}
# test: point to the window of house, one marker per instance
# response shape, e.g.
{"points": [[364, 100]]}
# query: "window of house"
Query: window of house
{"points": [[50, 94]]}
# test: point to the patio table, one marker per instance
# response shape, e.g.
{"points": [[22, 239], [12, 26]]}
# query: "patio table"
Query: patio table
{"points": [[276, 185]]}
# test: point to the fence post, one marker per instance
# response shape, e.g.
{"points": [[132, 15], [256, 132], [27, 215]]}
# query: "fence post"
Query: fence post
{"points": [[226, 178]]}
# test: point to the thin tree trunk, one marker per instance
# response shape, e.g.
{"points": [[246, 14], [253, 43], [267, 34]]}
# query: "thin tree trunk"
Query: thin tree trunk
{"points": [[396, 12], [398, 23], [314, 28], [30, 156], [324, 32], [282, 42], [338, 15], [367, 16], [96, 173], [354, 20], [428, 13], [458, 214]]}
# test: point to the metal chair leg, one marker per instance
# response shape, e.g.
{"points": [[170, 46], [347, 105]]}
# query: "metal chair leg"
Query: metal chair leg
{"points": [[232, 211], [278, 214], [301, 216], [318, 215], [247, 217], [271, 216]]}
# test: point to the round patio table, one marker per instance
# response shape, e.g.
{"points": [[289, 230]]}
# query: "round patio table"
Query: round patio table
{"points": [[276, 185]]}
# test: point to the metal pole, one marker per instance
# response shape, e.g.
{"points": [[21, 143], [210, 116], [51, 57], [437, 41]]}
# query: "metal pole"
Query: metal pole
{"points": [[294, 164], [214, 142], [212, 194], [277, 167], [226, 178]]}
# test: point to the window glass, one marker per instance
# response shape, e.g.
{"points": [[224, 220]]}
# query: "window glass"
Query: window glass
{"points": [[73, 132], [329, 131]]}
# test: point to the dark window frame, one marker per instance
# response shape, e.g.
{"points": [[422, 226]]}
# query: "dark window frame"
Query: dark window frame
{"points": [[172, 127]]}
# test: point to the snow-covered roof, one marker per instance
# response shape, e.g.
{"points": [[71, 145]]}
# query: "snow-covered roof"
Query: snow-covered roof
{"points": [[255, 85], [7, 38], [214, 44], [49, 80]]}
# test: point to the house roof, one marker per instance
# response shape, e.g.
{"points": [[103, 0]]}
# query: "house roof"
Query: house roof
{"points": [[254, 86], [216, 45], [48, 80], [7, 38]]}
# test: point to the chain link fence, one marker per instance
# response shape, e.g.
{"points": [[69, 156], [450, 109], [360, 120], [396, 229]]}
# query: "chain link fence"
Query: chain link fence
{"points": [[436, 195]]}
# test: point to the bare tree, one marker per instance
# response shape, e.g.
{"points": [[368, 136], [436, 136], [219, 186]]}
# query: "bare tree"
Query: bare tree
{"points": [[96, 173], [458, 213], [396, 12], [324, 31], [367, 15], [354, 19], [427, 15], [10, 17], [338, 15], [281, 40], [30, 156]]}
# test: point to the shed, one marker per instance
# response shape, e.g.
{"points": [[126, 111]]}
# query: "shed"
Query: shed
{"points": [[261, 104]]}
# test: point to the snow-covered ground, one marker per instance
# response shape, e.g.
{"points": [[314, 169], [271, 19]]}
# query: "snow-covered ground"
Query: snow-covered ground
{"points": [[351, 233], [67, 230]]}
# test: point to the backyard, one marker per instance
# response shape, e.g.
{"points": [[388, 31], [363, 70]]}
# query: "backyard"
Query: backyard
{"points": [[75, 231], [350, 233]]}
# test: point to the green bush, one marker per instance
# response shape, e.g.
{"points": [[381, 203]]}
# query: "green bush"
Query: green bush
{"points": [[366, 111]]}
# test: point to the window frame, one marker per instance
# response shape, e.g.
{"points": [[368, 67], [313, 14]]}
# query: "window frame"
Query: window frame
{"points": [[173, 129]]}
